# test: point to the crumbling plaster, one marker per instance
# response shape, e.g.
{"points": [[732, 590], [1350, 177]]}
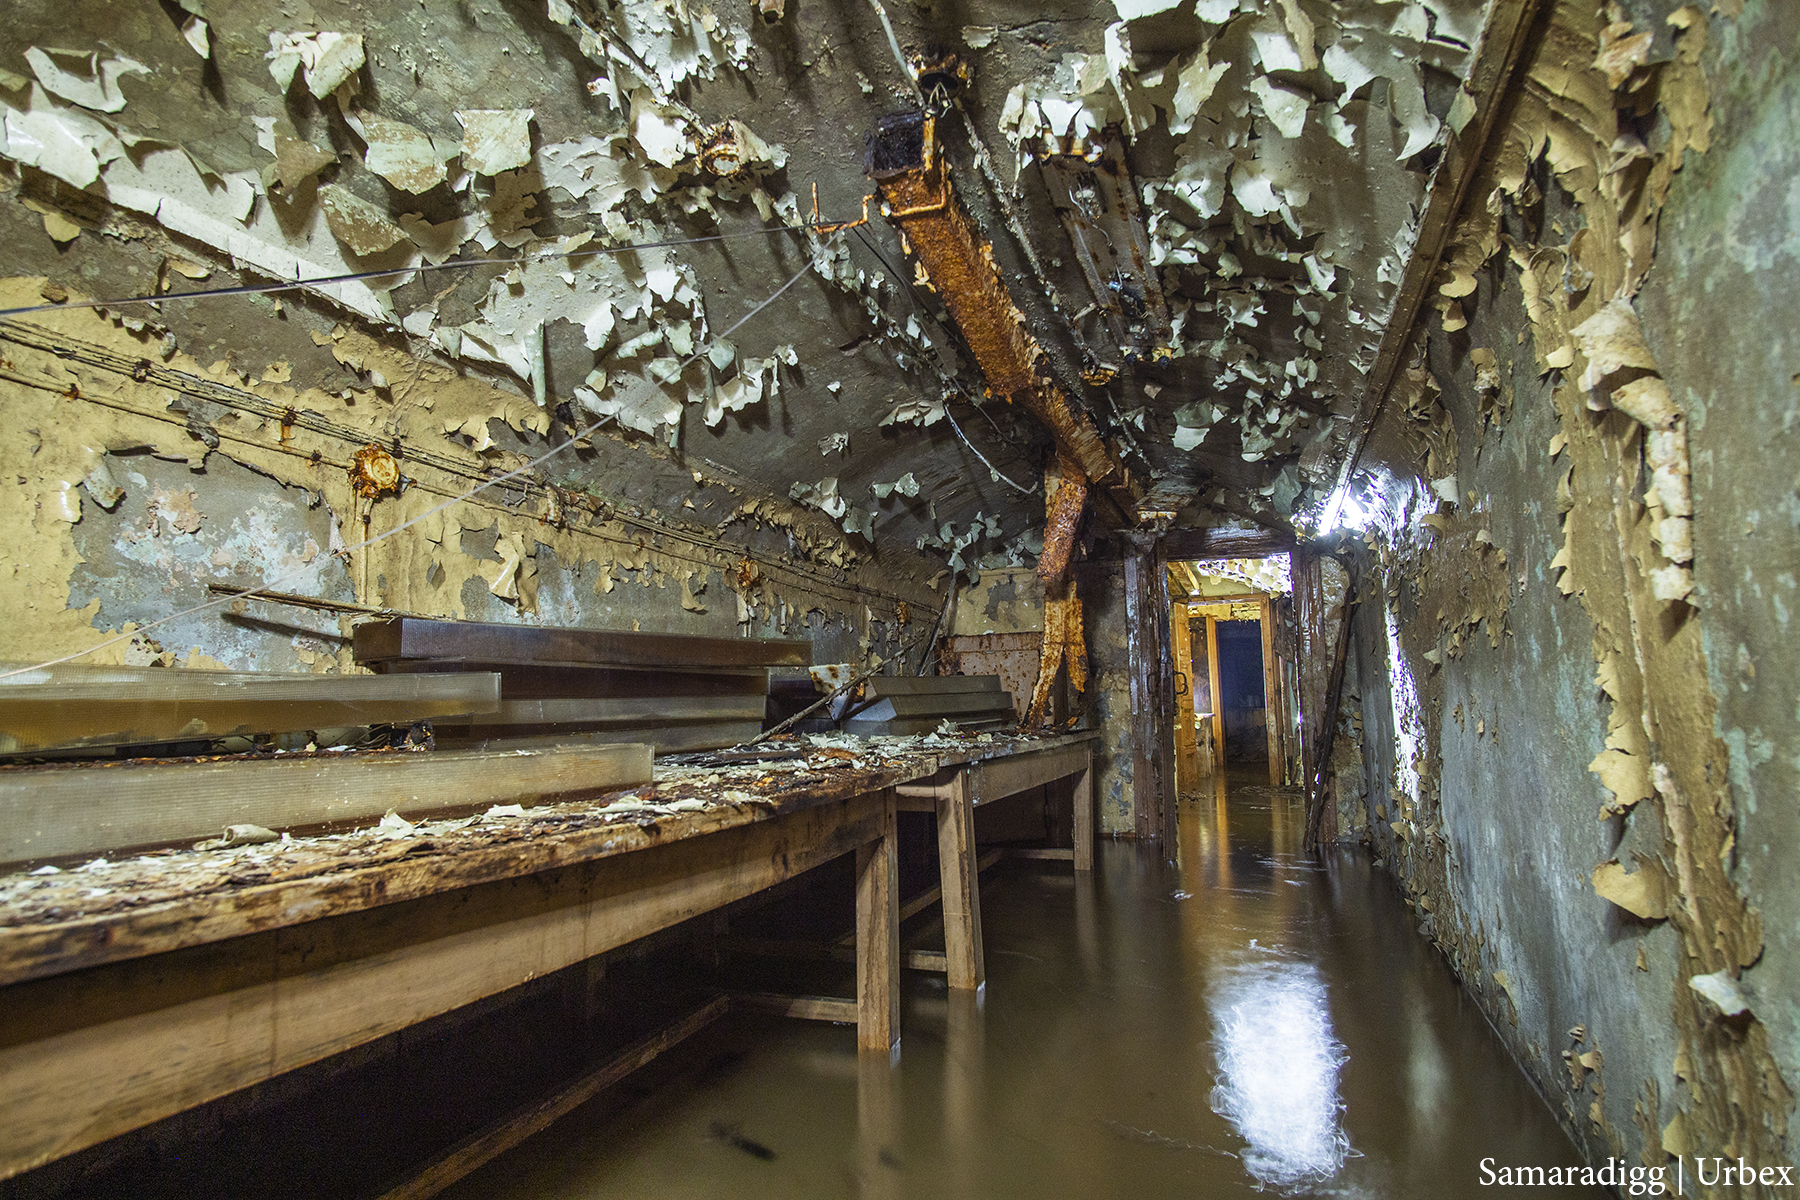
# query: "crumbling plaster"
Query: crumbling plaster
{"points": [[1278, 145], [136, 493]]}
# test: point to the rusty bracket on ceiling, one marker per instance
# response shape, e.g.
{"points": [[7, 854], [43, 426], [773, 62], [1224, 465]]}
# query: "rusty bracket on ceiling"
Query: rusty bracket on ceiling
{"points": [[1096, 198]]}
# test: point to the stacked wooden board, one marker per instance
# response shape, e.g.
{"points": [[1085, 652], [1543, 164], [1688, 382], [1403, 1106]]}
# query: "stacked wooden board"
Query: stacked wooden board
{"points": [[64, 811], [63, 708], [564, 687], [902, 705]]}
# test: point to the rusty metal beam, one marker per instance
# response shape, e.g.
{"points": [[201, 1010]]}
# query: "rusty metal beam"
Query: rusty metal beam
{"points": [[1214, 542], [907, 165]]}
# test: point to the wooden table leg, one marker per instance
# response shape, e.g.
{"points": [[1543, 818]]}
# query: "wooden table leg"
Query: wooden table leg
{"points": [[962, 885], [878, 939], [1083, 824]]}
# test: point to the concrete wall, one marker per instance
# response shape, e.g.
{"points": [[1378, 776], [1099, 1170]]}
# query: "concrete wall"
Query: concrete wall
{"points": [[1583, 781], [144, 474]]}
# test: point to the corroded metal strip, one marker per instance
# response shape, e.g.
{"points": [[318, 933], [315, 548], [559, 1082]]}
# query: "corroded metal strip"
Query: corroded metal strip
{"points": [[1065, 643], [1097, 201], [1074, 432]]}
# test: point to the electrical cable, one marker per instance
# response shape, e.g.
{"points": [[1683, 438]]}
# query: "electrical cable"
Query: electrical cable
{"points": [[259, 289], [984, 462], [956, 336], [894, 45], [531, 465]]}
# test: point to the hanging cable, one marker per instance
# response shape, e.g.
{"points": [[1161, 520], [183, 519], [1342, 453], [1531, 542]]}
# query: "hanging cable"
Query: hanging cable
{"points": [[956, 336], [900, 58], [528, 466], [978, 454], [267, 289]]}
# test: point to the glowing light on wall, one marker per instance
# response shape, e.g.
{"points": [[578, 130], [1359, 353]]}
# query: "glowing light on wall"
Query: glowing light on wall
{"points": [[1409, 726], [1344, 511]]}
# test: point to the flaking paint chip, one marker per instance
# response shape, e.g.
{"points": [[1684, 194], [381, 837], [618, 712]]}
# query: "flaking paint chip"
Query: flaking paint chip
{"points": [[496, 139]]}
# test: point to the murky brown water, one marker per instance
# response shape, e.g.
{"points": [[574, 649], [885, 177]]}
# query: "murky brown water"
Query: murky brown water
{"points": [[1247, 1022]]}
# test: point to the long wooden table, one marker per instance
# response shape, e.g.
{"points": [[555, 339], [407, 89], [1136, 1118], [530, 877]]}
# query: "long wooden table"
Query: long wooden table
{"points": [[138, 989]]}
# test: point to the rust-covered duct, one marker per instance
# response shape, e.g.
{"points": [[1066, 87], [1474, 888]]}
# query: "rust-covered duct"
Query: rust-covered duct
{"points": [[1061, 520], [908, 166]]}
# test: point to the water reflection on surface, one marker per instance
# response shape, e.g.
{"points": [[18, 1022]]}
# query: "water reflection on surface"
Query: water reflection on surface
{"points": [[1245, 1022], [1278, 1070]]}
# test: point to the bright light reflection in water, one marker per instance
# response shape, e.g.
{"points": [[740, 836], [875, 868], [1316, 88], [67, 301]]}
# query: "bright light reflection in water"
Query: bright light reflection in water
{"points": [[1278, 1071]]}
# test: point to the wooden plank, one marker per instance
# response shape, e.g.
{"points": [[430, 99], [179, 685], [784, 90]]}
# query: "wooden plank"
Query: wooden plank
{"points": [[615, 710], [318, 880], [453, 641], [911, 960], [933, 685], [962, 890], [1271, 694], [877, 1012], [72, 706], [662, 738], [1496, 62], [806, 1008], [1042, 853], [934, 704], [1218, 701], [88, 1055], [88, 809], [1083, 823], [502, 1135], [996, 720], [998, 778], [558, 682]]}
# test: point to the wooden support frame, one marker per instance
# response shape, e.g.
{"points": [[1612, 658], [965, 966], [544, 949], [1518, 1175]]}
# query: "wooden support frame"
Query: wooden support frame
{"points": [[1081, 826], [953, 799], [835, 1009], [878, 935], [496, 1139], [120, 1016], [962, 891], [911, 960], [1218, 702], [1273, 710]]}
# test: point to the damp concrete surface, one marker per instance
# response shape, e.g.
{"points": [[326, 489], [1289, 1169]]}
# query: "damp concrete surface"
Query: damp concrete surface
{"points": [[1246, 1022]]}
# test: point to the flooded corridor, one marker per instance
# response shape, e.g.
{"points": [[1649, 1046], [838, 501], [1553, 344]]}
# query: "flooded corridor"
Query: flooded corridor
{"points": [[1247, 1022]]}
